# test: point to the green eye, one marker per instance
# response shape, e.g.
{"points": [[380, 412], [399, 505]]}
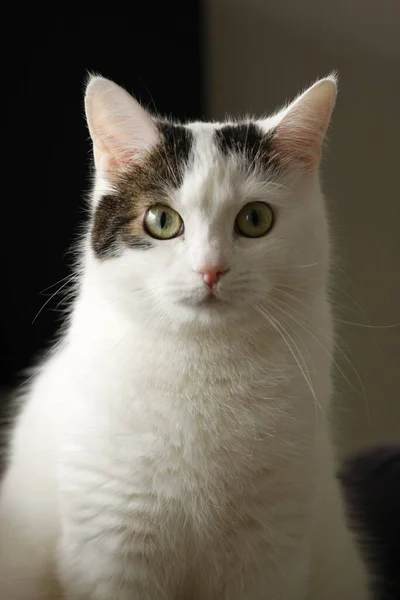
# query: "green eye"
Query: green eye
{"points": [[254, 220], [163, 222]]}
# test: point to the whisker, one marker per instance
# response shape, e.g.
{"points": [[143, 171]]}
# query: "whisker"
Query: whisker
{"points": [[330, 354], [70, 277], [283, 332], [49, 300]]}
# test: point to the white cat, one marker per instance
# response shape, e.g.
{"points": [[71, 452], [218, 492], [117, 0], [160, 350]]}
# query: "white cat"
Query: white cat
{"points": [[176, 444]]}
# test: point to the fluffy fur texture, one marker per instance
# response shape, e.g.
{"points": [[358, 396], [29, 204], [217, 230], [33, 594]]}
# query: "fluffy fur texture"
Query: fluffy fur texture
{"points": [[176, 444]]}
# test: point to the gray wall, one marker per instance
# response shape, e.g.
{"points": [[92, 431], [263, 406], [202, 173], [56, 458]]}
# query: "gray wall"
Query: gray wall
{"points": [[263, 52]]}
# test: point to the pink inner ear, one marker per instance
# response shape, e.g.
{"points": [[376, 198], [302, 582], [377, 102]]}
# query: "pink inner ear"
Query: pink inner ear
{"points": [[115, 154], [300, 134], [122, 131], [113, 159], [111, 163], [298, 139]]}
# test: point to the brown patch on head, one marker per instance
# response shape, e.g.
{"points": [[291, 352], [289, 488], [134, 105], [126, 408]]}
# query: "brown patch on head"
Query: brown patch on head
{"points": [[117, 220], [249, 143]]}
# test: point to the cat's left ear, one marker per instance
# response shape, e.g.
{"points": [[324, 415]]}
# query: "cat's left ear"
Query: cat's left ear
{"points": [[121, 130], [302, 126]]}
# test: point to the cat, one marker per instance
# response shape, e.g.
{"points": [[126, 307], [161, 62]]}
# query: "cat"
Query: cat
{"points": [[176, 443]]}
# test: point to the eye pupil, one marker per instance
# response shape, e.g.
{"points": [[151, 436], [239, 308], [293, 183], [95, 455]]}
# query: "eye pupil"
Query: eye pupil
{"points": [[254, 218], [163, 219]]}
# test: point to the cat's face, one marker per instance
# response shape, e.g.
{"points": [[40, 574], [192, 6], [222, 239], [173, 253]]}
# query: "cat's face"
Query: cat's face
{"points": [[203, 222]]}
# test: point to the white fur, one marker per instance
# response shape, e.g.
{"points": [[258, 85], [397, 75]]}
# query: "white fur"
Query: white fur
{"points": [[174, 450]]}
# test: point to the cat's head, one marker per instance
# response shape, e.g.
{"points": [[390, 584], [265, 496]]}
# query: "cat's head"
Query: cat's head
{"points": [[205, 222]]}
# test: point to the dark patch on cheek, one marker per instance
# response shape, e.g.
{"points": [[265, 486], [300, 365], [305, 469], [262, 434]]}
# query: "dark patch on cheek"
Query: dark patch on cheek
{"points": [[138, 243], [112, 225], [117, 221]]}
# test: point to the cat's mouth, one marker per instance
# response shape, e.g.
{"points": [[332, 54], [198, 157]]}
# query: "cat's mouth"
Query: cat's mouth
{"points": [[210, 301]]}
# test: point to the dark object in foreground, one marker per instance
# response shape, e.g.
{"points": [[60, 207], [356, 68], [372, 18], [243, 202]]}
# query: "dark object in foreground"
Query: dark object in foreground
{"points": [[371, 484]]}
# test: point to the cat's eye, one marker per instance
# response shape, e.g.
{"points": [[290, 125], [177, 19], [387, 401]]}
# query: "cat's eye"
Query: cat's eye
{"points": [[162, 222], [254, 220]]}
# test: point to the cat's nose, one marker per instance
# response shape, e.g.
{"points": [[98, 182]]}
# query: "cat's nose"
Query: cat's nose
{"points": [[211, 276]]}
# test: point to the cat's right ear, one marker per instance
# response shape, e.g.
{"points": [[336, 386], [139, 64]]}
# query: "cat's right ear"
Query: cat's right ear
{"points": [[121, 130]]}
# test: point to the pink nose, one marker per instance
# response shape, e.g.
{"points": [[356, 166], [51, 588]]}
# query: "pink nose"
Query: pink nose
{"points": [[212, 276]]}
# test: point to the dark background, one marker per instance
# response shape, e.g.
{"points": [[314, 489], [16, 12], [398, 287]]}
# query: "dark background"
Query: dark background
{"points": [[155, 51]]}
